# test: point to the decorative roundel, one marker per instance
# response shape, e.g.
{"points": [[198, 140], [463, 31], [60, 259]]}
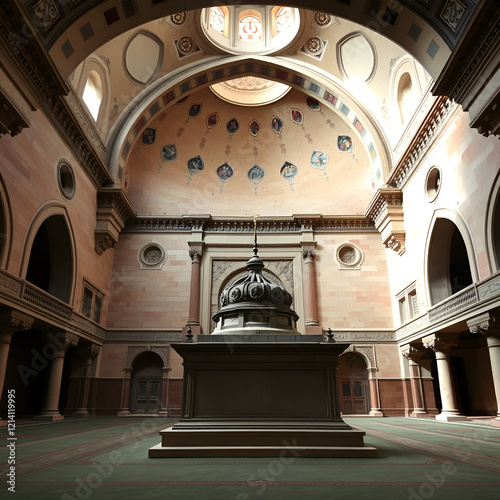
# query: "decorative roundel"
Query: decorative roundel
{"points": [[66, 180], [152, 256], [314, 46], [277, 294], [322, 19], [349, 256], [256, 290], [235, 295], [433, 183], [186, 45], [178, 19]]}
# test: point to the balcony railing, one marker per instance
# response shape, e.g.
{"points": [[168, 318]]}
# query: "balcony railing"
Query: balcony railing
{"points": [[454, 304], [46, 301]]}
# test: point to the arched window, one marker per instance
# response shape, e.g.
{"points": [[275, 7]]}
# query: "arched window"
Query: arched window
{"points": [[50, 266], [496, 232], [405, 97], [218, 20], [250, 27], [92, 93]]}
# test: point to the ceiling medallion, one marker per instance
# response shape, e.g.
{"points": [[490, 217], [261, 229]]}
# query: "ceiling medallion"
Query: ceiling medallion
{"points": [[186, 45], [178, 19], [322, 19], [314, 46]]}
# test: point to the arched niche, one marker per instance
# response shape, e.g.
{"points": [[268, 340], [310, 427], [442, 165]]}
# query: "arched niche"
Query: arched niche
{"points": [[450, 257], [147, 374], [49, 259], [353, 385], [5, 226], [492, 228]]}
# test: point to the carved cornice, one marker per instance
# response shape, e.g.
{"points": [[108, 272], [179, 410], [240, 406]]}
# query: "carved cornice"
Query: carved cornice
{"points": [[114, 197], [36, 70], [423, 139], [245, 225], [440, 342]]}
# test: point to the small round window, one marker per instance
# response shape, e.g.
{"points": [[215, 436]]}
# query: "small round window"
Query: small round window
{"points": [[152, 256], [349, 256], [66, 180], [433, 183]]}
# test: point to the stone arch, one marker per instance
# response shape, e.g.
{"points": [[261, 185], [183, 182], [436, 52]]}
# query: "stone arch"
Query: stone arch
{"points": [[51, 223], [146, 375], [450, 257], [354, 389], [134, 352], [165, 92], [5, 226], [223, 275], [67, 48], [492, 227]]}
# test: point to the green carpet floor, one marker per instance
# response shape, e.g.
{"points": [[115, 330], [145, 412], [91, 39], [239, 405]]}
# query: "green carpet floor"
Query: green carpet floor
{"points": [[107, 458]]}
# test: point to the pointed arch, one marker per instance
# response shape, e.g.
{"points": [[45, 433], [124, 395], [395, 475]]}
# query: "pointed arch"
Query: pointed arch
{"points": [[492, 227]]}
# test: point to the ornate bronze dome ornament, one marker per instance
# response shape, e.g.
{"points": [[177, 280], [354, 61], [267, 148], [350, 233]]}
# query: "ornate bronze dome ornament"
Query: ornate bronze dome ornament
{"points": [[254, 305]]}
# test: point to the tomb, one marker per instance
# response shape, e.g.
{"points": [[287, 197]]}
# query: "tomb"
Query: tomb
{"points": [[256, 387]]}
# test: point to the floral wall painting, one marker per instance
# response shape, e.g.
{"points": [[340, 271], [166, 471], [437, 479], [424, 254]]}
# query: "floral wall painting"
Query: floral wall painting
{"points": [[195, 165], [168, 152], [212, 120], [296, 116], [319, 160], [149, 136], [344, 143], [254, 128], [313, 104], [194, 110], [277, 124], [232, 126]]}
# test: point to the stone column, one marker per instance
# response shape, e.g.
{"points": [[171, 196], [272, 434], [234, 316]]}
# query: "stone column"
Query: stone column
{"points": [[10, 323], [413, 355], [125, 409], [441, 344], [88, 355], [487, 326], [195, 252], [60, 343], [164, 393], [375, 410], [310, 293]]}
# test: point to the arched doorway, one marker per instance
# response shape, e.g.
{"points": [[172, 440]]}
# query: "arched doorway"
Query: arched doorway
{"points": [[352, 374], [50, 266], [146, 384], [449, 269]]}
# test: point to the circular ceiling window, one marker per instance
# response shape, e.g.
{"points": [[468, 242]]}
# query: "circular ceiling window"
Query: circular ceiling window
{"points": [[143, 57], [250, 29], [356, 57], [250, 91]]}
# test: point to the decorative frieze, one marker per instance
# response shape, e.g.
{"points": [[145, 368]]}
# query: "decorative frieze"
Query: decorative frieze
{"points": [[454, 304], [386, 336], [143, 336], [295, 225]]}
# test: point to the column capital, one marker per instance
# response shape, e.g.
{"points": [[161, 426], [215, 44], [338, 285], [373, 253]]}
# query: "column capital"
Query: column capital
{"points": [[16, 321], [485, 324], [89, 352], [62, 340], [308, 250], [195, 250], [411, 352], [440, 342]]}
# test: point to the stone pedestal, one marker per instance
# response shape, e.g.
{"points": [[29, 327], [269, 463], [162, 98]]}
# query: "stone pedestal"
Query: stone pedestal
{"points": [[260, 396]]}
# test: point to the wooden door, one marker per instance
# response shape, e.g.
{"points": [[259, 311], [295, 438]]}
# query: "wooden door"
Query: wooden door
{"points": [[147, 396], [352, 397]]}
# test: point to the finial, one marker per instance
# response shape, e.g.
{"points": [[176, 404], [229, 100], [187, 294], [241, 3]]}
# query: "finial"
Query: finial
{"points": [[255, 215], [330, 336], [189, 336]]}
